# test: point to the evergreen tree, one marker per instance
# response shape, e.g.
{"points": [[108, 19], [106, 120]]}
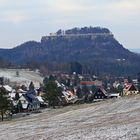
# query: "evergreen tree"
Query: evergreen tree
{"points": [[93, 88], [105, 82], [138, 77], [76, 67], [19, 106], [79, 92], [85, 91], [129, 79], [52, 93], [120, 90], [17, 73], [17, 96], [31, 86], [23, 87], [52, 78], [68, 82], [1, 80], [76, 80], [45, 80], [5, 103], [90, 98]]}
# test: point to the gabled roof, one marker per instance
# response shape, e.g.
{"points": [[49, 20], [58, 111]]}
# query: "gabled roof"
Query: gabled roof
{"points": [[100, 89], [40, 99], [69, 95], [30, 97], [8, 88], [130, 87], [87, 83], [25, 96], [33, 92], [114, 94], [21, 91]]}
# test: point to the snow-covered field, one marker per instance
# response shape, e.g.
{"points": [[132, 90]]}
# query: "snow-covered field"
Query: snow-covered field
{"points": [[25, 76], [117, 119]]}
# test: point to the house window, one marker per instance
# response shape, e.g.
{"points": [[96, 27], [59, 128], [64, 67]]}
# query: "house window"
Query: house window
{"points": [[69, 96]]}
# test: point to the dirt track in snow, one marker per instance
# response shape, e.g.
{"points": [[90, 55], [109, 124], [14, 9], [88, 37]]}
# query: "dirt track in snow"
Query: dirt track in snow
{"points": [[117, 119]]}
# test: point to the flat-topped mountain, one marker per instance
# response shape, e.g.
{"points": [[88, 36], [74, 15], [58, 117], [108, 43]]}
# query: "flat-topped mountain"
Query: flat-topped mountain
{"points": [[95, 47]]}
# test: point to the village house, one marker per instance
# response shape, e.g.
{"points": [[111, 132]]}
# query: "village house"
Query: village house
{"points": [[91, 83], [100, 94], [29, 101], [114, 95], [130, 89], [8, 88], [69, 96]]}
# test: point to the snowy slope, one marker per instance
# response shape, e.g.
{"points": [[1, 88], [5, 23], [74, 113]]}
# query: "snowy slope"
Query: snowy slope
{"points": [[25, 76], [117, 119]]}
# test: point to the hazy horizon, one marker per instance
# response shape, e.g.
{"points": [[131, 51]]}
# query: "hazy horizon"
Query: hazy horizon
{"points": [[22, 21]]}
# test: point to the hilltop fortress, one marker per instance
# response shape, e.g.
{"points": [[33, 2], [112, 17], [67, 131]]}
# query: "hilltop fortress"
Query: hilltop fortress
{"points": [[79, 33]]}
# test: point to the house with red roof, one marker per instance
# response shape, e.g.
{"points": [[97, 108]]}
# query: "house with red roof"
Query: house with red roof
{"points": [[130, 89]]}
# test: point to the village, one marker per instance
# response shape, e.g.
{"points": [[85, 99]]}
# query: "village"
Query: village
{"points": [[75, 89]]}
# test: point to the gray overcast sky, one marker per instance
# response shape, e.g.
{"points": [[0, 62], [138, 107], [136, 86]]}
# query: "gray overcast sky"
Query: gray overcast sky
{"points": [[23, 20]]}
